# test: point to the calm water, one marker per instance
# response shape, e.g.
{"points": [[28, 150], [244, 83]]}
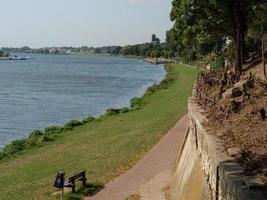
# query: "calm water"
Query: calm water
{"points": [[51, 90]]}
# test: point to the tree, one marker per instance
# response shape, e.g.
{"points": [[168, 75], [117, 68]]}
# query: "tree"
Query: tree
{"points": [[197, 19], [116, 50], [258, 28], [155, 40]]}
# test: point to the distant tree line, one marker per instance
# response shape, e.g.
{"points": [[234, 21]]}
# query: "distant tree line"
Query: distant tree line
{"points": [[4, 54], [154, 49]]}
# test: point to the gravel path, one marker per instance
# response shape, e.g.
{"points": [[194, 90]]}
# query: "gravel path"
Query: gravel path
{"points": [[157, 161]]}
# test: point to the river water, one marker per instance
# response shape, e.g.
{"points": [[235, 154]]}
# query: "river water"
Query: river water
{"points": [[51, 90]]}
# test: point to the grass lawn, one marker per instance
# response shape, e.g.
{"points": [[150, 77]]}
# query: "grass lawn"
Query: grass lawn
{"points": [[105, 148]]}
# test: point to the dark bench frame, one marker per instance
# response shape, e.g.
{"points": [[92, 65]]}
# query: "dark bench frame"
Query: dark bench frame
{"points": [[70, 183]]}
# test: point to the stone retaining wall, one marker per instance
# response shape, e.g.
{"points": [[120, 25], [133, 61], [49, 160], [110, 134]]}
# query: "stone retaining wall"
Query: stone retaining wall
{"points": [[205, 171]]}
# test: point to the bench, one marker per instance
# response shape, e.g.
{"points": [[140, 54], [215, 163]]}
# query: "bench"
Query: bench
{"points": [[81, 176], [70, 182]]}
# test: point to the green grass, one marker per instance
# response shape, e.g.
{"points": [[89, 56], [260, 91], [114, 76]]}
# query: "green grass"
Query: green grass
{"points": [[105, 148]]}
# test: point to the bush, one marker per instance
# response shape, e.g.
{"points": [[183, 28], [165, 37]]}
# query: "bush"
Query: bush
{"points": [[217, 63], [88, 119], [53, 129], [152, 89], [164, 84], [15, 146], [2, 155], [137, 102], [36, 137], [51, 133], [71, 124], [112, 111], [125, 110], [188, 55]]}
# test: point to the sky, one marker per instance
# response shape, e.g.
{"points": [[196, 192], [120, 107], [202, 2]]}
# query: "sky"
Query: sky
{"points": [[47, 23]]}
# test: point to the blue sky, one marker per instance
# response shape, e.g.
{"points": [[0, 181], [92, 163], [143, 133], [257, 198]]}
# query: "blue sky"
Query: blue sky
{"points": [[43, 23]]}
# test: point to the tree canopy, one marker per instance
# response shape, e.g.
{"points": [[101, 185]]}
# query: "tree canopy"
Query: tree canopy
{"points": [[206, 23]]}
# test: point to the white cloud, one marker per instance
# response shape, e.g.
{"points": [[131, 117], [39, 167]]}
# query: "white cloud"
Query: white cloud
{"points": [[146, 1]]}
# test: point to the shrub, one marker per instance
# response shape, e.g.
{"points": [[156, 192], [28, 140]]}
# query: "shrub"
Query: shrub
{"points": [[152, 89], [15, 146], [112, 111], [217, 63], [51, 132], [71, 124], [125, 110], [137, 102], [164, 84], [53, 129], [88, 119], [2, 155], [36, 137], [188, 55]]}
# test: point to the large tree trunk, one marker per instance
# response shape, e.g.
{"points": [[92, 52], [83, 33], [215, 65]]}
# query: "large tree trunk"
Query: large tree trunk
{"points": [[263, 56], [238, 37], [238, 60], [243, 45]]}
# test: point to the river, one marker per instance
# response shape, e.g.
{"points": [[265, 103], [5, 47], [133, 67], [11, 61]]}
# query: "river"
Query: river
{"points": [[53, 89]]}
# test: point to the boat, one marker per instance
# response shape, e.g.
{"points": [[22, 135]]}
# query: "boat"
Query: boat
{"points": [[17, 58]]}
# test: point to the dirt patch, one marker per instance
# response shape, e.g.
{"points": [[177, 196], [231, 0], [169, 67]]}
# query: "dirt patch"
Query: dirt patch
{"points": [[133, 197], [237, 109]]}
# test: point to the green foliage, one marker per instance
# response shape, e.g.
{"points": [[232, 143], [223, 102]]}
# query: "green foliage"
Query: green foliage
{"points": [[2, 155], [51, 133], [187, 55], [152, 89], [155, 40], [154, 49], [15, 147], [137, 103], [217, 63], [125, 110], [71, 124], [207, 24], [155, 53], [54, 129], [258, 25], [111, 112], [88, 119], [36, 137], [164, 84]]}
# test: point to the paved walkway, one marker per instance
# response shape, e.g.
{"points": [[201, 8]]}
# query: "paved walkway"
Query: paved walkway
{"points": [[158, 160]]}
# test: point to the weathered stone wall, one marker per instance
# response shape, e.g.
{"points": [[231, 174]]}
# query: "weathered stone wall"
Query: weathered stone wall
{"points": [[205, 171]]}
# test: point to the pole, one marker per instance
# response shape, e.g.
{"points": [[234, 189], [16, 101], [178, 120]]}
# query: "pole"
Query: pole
{"points": [[62, 192]]}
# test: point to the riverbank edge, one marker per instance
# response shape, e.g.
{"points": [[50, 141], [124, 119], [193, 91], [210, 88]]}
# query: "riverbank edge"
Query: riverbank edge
{"points": [[38, 138]]}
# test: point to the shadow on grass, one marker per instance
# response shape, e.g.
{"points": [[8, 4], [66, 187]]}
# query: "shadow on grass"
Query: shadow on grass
{"points": [[89, 190]]}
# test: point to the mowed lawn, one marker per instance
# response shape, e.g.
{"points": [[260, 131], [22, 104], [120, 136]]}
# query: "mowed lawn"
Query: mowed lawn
{"points": [[104, 148]]}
